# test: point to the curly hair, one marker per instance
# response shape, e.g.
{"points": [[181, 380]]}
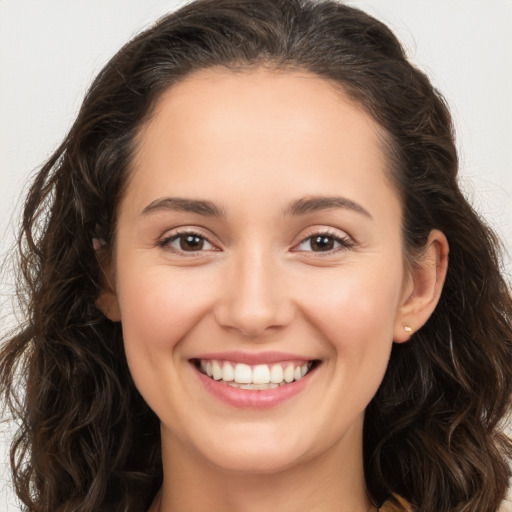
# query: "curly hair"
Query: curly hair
{"points": [[87, 441]]}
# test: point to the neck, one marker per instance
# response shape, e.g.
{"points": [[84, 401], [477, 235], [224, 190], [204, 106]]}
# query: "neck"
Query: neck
{"points": [[329, 482]]}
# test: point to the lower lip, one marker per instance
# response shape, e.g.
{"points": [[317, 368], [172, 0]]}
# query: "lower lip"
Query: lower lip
{"points": [[253, 399]]}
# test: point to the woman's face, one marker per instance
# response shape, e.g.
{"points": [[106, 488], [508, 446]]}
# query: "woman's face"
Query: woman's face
{"points": [[259, 237]]}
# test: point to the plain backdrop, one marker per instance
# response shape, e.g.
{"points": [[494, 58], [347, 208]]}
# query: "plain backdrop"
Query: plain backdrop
{"points": [[50, 50]]}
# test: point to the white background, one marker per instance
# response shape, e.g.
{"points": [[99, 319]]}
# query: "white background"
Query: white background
{"points": [[50, 50]]}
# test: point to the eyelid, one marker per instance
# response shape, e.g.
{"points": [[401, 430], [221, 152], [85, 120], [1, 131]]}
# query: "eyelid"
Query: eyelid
{"points": [[185, 230], [346, 241]]}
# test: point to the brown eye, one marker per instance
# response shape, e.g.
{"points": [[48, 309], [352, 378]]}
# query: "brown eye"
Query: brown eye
{"points": [[324, 242], [191, 242], [187, 242]]}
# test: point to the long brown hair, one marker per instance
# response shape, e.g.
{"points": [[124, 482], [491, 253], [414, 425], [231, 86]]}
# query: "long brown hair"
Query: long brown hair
{"points": [[87, 441]]}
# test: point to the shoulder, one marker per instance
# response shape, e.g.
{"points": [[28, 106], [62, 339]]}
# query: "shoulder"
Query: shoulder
{"points": [[390, 506]]}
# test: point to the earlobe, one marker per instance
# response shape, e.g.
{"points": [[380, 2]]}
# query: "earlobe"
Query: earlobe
{"points": [[108, 305], [107, 301], [424, 288]]}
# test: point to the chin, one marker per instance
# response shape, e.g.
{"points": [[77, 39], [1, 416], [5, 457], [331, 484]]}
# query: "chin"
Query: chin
{"points": [[255, 449], [255, 461]]}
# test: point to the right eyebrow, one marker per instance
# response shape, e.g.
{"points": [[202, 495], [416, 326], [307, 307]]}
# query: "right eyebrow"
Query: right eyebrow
{"points": [[181, 204], [307, 205]]}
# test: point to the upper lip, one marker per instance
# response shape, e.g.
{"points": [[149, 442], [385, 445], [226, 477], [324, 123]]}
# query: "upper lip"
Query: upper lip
{"points": [[254, 358]]}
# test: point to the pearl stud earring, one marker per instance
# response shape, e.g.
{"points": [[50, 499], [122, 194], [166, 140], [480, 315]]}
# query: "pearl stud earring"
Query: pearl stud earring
{"points": [[407, 328]]}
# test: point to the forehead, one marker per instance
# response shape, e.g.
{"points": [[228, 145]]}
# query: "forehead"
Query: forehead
{"points": [[245, 98], [257, 127]]}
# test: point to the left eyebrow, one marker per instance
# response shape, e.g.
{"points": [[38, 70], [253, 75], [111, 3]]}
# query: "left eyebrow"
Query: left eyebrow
{"points": [[307, 205], [181, 204]]}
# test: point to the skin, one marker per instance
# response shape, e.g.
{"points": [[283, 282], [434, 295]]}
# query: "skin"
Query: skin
{"points": [[252, 143]]}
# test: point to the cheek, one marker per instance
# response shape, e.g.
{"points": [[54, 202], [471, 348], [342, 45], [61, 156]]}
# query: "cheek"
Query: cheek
{"points": [[159, 307], [354, 309]]}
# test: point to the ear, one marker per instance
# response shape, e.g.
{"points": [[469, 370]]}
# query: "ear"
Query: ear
{"points": [[423, 287], [107, 301]]}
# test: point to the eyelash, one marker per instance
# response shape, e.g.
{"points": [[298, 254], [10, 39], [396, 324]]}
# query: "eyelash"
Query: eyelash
{"points": [[165, 242], [344, 242]]}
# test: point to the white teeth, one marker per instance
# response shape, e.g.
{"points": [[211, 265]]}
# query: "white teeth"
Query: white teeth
{"points": [[243, 374], [288, 373], [261, 376], [216, 370], [254, 386], [270, 385], [276, 374], [228, 372]]}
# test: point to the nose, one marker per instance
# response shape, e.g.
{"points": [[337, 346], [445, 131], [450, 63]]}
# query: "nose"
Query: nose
{"points": [[254, 299]]}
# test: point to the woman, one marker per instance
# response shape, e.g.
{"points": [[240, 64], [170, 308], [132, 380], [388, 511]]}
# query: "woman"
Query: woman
{"points": [[237, 282]]}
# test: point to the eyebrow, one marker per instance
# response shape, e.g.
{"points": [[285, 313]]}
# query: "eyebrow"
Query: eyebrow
{"points": [[313, 204], [180, 204], [301, 206]]}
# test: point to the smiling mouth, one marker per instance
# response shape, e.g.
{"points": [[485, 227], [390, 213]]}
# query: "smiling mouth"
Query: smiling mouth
{"points": [[254, 377]]}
